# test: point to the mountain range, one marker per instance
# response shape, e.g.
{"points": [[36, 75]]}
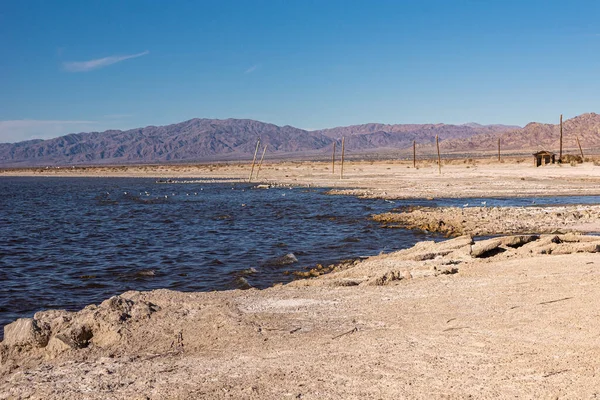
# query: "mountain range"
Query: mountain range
{"points": [[535, 136], [235, 139]]}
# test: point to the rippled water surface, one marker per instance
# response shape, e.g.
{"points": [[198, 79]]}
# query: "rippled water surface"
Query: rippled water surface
{"points": [[69, 242]]}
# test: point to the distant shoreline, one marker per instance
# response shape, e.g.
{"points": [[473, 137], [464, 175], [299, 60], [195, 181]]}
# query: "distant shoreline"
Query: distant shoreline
{"points": [[391, 179]]}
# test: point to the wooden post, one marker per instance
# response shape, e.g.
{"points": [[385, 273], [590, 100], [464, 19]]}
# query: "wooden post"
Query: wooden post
{"points": [[437, 142], [261, 160], [561, 131], [254, 160], [333, 159], [342, 168], [579, 144], [414, 154], [498, 149]]}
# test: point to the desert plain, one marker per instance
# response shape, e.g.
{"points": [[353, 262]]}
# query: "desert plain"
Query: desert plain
{"points": [[511, 316]]}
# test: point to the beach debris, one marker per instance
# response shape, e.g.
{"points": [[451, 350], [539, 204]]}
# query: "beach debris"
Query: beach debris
{"points": [[555, 373], [455, 328], [351, 331], [178, 342], [555, 301]]}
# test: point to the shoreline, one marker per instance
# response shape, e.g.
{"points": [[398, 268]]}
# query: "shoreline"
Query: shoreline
{"points": [[482, 221], [390, 179], [431, 321], [457, 318]]}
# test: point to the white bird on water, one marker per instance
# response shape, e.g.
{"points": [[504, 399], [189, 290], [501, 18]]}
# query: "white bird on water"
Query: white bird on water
{"points": [[466, 205], [483, 203]]}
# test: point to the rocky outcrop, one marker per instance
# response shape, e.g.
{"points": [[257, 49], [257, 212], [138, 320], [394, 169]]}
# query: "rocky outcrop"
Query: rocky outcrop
{"points": [[479, 221], [55, 331], [430, 259]]}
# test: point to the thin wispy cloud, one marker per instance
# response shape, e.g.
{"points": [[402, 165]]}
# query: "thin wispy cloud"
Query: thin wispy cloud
{"points": [[252, 69], [117, 116], [84, 66], [26, 129]]}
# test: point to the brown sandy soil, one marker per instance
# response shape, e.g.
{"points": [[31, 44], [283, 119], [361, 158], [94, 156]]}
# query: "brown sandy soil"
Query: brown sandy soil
{"points": [[504, 318], [455, 221], [388, 179]]}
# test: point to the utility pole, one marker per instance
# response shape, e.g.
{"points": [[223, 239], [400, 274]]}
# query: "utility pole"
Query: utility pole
{"points": [[342, 170], [437, 142], [333, 159], [561, 131], [254, 161], [498, 149]]}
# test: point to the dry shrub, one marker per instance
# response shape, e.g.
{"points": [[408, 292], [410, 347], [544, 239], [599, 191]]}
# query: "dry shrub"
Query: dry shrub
{"points": [[572, 159]]}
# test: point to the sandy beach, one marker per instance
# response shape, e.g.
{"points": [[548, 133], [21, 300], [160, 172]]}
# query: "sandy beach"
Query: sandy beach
{"points": [[506, 317]]}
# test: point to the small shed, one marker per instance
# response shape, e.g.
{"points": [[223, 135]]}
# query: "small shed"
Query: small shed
{"points": [[543, 157]]}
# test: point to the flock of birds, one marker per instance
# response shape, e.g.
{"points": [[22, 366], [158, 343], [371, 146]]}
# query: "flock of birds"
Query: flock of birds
{"points": [[147, 194], [483, 203]]}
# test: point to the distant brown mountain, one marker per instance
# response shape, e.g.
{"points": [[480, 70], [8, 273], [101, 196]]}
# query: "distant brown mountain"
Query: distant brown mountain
{"points": [[378, 136], [535, 136], [230, 139]]}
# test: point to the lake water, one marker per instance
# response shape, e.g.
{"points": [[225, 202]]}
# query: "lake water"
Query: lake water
{"points": [[69, 242]]}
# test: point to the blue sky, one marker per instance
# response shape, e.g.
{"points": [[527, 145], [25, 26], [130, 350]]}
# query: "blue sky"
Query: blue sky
{"points": [[70, 66]]}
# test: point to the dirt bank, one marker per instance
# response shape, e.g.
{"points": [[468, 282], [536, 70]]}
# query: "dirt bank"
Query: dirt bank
{"points": [[455, 221], [510, 317]]}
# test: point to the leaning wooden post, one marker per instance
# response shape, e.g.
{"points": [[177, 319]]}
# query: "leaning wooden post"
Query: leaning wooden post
{"points": [[498, 149], [342, 168], [561, 131], [254, 160], [437, 142], [579, 144], [414, 154], [333, 159], [261, 160]]}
